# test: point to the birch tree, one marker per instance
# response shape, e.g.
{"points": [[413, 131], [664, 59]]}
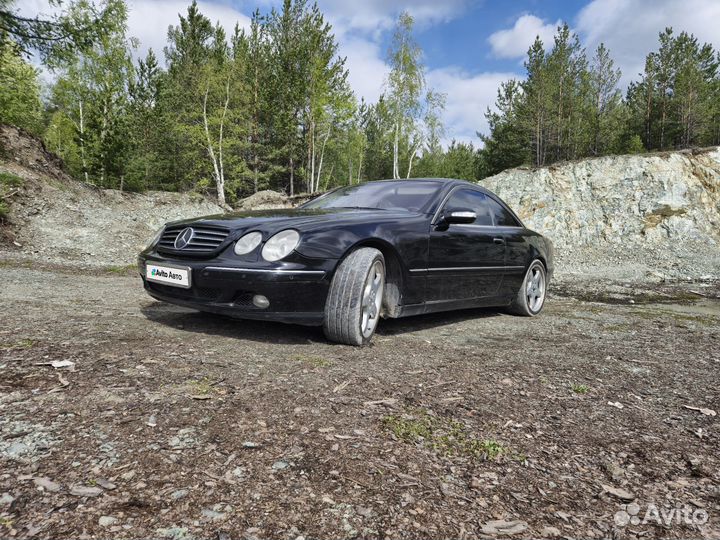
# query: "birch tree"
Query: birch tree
{"points": [[405, 86]]}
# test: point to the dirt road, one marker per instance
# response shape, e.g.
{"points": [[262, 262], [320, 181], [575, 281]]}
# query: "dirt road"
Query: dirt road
{"points": [[175, 424]]}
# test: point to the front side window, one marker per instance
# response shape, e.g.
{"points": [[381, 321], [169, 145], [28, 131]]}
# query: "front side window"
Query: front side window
{"points": [[471, 200]]}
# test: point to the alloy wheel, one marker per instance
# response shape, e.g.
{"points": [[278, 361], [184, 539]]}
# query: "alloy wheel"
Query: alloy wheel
{"points": [[535, 288], [372, 298]]}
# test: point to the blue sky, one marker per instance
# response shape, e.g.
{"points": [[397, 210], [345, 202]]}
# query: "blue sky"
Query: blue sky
{"points": [[464, 39], [470, 46]]}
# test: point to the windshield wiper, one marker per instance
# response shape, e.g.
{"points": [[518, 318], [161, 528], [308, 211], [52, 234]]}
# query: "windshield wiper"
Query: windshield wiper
{"points": [[362, 207]]}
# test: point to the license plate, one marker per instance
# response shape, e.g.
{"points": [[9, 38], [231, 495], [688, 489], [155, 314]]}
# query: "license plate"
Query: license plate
{"points": [[177, 276]]}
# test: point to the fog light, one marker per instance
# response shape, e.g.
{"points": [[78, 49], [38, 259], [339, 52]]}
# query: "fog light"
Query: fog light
{"points": [[261, 301]]}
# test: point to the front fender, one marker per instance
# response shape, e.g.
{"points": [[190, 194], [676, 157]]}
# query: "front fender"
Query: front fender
{"points": [[408, 237], [404, 243]]}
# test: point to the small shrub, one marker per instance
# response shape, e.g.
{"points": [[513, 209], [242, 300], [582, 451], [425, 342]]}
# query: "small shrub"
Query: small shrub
{"points": [[580, 388], [492, 449]]}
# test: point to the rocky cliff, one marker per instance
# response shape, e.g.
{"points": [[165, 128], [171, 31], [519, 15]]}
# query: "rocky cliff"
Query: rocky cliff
{"points": [[635, 216]]}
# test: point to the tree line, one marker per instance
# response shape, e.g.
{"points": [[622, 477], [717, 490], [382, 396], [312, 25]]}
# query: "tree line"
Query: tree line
{"points": [[270, 107], [569, 106]]}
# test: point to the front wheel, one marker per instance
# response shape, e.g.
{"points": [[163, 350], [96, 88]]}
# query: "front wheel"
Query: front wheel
{"points": [[354, 303], [531, 296]]}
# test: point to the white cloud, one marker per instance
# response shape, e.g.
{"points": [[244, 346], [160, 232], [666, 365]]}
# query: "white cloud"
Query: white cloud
{"points": [[148, 20], [375, 15], [629, 28], [514, 42], [468, 97], [367, 70]]}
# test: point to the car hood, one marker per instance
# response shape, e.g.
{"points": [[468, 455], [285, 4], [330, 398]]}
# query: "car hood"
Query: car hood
{"points": [[302, 219]]}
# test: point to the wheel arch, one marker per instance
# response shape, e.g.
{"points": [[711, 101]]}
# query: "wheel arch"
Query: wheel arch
{"points": [[394, 272], [537, 251]]}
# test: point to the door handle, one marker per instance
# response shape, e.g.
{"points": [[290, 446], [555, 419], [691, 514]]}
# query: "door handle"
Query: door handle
{"points": [[499, 240]]}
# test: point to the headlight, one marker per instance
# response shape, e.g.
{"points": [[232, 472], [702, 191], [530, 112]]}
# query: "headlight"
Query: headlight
{"points": [[156, 238], [280, 245], [247, 243]]}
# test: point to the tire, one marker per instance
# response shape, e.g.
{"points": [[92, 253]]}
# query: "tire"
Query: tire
{"points": [[354, 303], [530, 298]]}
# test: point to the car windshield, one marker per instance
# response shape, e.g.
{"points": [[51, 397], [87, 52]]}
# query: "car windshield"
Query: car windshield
{"points": [[412, 196]]}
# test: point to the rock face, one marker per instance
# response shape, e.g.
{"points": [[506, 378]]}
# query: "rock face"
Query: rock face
{"points": [[624, 215], [265, 200], [75, 223]]}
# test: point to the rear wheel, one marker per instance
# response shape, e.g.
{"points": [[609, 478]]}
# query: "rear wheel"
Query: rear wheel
{"points": [[531, 296], [354, 303]]}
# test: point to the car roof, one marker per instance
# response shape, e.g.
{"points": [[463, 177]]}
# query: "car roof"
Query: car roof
{"points": [[444, 181]]}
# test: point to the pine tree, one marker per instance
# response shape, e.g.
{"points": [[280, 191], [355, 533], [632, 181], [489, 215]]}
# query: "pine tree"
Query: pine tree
{"points": [[144, 94], [460, 161], [508, 143], [379, 131], [694, 84], [604, 104], [58, 38], [672, 105], [253, 50], [535, 109]]}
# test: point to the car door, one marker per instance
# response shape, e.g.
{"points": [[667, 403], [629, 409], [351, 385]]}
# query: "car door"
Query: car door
{"points": [[516, 246], [465, 261]]}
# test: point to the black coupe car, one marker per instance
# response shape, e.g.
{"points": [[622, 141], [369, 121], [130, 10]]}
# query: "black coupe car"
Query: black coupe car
{"points": [[388, 248]]}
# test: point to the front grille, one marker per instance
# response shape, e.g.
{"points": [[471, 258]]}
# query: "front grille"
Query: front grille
{"points": [[205, 294], [206, 239]]}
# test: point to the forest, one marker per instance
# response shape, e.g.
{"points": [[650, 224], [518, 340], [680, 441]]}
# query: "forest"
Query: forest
{"points": [[270, 107]]}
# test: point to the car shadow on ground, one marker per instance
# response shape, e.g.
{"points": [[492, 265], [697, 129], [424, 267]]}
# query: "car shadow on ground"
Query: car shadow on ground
{"points": [[189, 320], [393, 327], [211, 324]]}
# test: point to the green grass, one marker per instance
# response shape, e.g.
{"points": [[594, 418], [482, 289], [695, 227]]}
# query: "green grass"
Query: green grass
{"points": [[580, 388], [122, 270], [446, 437], [409, 429], [22, 344], [202, 387], [4, 210], [10, 179], [314, 361]]}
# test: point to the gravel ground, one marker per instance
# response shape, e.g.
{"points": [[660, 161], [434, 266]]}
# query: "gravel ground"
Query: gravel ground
{"points": [[595, 420]]}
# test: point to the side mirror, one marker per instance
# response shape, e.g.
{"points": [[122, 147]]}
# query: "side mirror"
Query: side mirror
{"points": [[459, 215]]}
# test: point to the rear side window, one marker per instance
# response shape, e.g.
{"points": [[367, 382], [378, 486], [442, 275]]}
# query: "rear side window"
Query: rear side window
{"points": [[471, 200], [501, 216]]}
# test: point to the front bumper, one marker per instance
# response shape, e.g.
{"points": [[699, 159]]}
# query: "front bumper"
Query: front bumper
{"points": [[296, 294]]}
